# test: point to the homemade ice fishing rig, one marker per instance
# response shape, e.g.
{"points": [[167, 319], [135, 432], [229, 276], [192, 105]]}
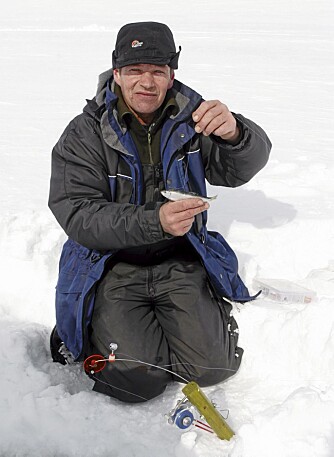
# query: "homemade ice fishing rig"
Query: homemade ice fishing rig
{"points": [[195, 409]]}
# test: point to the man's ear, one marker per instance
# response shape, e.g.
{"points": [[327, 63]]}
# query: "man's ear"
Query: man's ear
{"points": [[172, 76], [116, 73]]}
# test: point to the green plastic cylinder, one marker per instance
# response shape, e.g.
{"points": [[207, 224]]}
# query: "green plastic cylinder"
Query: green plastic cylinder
{"points": [[207, 410]]}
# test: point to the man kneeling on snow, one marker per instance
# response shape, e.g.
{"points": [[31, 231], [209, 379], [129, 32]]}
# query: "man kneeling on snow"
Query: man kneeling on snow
{"points": [[138, 270]]}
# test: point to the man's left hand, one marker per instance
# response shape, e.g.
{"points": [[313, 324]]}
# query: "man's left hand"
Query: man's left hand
{"points": [[213, 117]]}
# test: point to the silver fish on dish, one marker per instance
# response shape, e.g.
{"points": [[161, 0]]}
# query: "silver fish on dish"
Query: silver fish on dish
{"points": [[176, 195]]}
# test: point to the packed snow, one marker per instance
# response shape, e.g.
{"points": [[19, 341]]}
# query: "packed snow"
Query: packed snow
{"points": [[269, 60]]}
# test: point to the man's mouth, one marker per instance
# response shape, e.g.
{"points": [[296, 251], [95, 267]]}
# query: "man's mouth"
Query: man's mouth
{"points": [[146, 94]]}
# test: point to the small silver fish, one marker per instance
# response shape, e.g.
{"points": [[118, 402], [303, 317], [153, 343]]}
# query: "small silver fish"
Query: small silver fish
{"points": [[176, 195]]}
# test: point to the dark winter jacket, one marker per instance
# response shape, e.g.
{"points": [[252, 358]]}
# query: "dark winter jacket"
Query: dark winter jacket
{"points": [[96, 194]]}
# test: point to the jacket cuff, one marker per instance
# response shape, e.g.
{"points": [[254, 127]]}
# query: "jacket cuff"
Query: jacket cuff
{"points": [[152, 225]]}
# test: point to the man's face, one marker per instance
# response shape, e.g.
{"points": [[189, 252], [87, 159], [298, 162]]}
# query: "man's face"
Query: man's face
{"points": [[144, 87]]}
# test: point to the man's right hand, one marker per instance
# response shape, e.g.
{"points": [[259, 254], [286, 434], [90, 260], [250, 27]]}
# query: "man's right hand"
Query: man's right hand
{"points": [[176, 218]]}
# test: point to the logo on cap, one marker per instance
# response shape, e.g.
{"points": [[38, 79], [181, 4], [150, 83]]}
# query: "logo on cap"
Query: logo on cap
{"points": [[136, 44]]}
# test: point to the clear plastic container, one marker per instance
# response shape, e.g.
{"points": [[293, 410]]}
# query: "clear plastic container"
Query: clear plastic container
{"points": [[284, 291]]}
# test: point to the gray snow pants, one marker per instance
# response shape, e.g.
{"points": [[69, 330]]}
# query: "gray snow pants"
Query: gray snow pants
{"points": [[165, 315]]}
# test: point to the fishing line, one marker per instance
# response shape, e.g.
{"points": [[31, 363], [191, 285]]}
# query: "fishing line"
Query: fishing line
{"points": [[145, 363], [135, 360], [118, 388], [177, 363], [200, 366]]}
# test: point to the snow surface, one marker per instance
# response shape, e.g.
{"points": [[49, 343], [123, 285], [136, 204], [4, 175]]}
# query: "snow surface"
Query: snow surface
{"points": [[270, 60]]}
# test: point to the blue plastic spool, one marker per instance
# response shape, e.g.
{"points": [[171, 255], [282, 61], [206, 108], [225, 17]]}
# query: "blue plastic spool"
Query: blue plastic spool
{"points": [[183, 418]]}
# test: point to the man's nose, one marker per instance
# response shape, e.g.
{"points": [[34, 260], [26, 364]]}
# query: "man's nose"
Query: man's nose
{"points": [[147, 80]]}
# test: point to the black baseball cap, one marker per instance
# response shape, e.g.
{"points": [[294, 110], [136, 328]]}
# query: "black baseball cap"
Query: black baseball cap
{"points": [[145, 42]]}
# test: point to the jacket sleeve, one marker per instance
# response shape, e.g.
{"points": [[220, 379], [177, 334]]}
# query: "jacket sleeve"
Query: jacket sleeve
{"points": [[80, 196], [234, 165]]}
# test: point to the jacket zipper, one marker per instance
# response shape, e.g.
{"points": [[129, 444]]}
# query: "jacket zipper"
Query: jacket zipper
{"points": [[149, 141]]}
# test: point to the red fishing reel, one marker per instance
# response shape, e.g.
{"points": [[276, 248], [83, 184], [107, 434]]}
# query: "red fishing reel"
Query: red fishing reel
{"points": [[94, 363]]}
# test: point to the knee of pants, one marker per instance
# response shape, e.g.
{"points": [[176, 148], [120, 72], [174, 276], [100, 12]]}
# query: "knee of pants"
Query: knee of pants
{"points": [[216, 375], [212, 371], [132, 386]]}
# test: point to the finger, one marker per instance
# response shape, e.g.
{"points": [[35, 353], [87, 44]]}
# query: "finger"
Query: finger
{"points": [[179, 228], [221, 126], [186, 227], [186, 224], [226, 130], [229, 131], [191, 212], [183, 219], [203, 108], [187, 203], [218, 123], [218, 114]]}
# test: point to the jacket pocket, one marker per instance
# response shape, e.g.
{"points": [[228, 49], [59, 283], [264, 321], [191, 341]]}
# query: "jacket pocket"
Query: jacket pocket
{"points": [[120, 187], [69, 283], [69, 291]]}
